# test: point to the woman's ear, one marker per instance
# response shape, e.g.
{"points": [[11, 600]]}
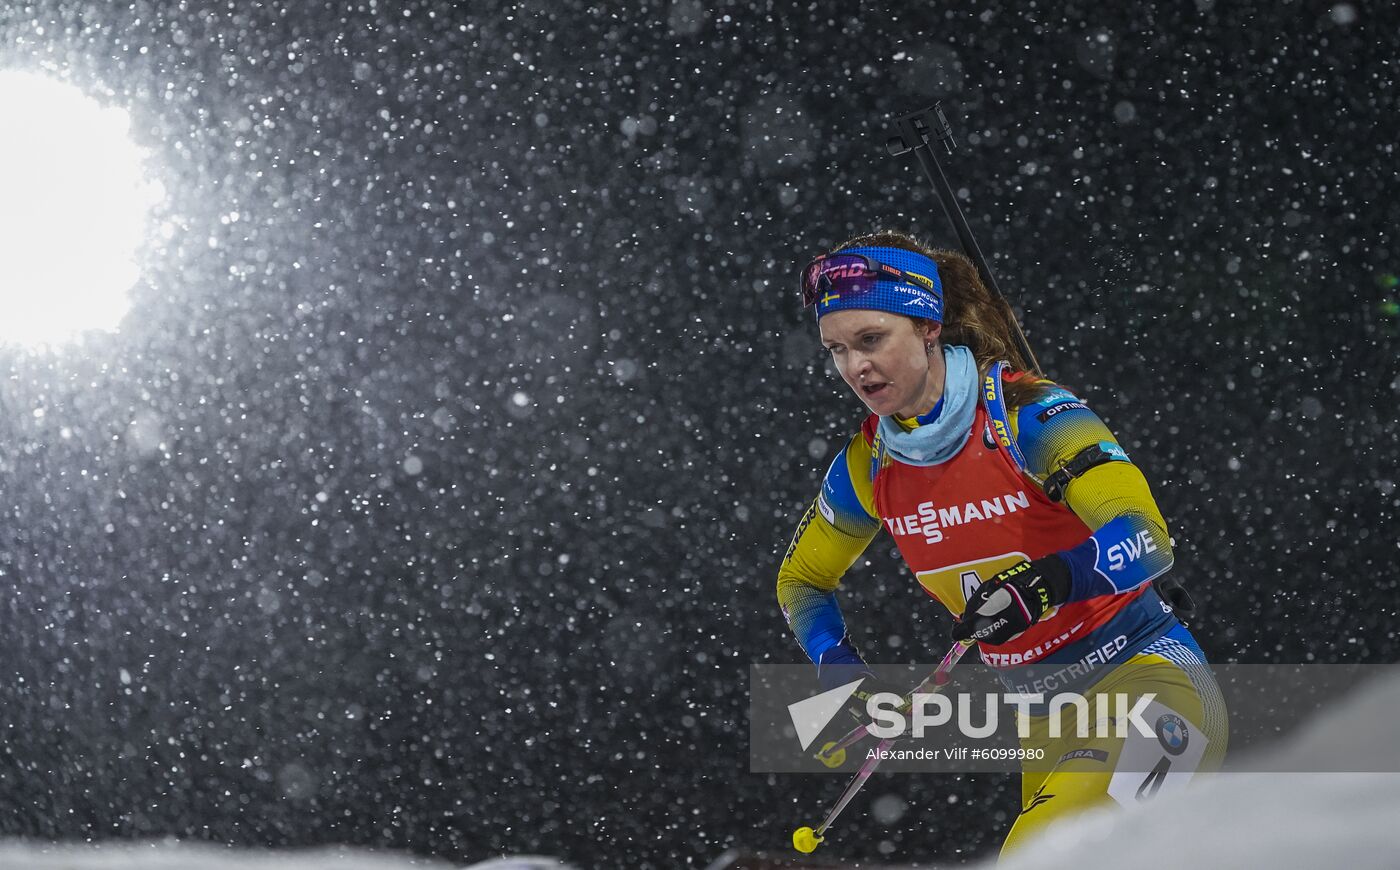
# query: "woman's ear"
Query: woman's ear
{"points": [[931, 333]]}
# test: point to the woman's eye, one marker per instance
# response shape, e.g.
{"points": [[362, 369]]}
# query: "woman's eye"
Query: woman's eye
{"points": [[870, 340]]}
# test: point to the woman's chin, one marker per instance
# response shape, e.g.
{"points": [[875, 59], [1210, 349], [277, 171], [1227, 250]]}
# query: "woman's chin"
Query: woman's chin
{"points": [[879, 403]]}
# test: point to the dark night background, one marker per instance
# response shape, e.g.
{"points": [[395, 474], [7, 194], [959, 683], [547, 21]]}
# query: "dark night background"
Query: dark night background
{"points": [[435, 502]]}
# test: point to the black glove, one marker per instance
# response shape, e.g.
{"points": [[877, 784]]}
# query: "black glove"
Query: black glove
{"points": [[870, 685], [856, 705], [1002, 608], [856, 714]]}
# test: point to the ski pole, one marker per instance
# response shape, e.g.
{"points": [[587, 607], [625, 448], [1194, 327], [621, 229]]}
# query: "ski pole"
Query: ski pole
{"points": [[806, 839], [833, 754], [915, 128]]}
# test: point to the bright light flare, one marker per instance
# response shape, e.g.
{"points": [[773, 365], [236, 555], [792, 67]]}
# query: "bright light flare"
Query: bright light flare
{"points": [[73, 207]]}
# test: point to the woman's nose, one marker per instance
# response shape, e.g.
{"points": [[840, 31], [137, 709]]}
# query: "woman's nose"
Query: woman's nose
{"points": [[857, 365]]}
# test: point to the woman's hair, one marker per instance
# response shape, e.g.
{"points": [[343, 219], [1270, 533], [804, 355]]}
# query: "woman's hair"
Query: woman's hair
{"points": [[972, 314]]}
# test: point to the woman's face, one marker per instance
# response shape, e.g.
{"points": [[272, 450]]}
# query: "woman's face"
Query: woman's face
{"points": [[885, 360]]}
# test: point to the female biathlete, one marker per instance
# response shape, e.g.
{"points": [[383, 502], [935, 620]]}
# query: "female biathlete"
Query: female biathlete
{"points": [[1015, 508]]}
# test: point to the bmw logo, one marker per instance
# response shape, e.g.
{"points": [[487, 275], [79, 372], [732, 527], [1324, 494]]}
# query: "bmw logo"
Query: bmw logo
{"points": [[1172, 733]]}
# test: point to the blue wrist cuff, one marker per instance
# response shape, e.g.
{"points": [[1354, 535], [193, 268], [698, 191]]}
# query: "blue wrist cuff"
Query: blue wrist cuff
{"points": [[840, 665], [1121, 556]]}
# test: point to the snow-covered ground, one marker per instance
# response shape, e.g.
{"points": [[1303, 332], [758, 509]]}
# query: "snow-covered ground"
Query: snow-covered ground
{"points": [[170, 855], [1242, 819]]}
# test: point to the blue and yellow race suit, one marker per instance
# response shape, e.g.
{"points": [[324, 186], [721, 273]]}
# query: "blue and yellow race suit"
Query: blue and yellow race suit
{"points": [[959, 523]]}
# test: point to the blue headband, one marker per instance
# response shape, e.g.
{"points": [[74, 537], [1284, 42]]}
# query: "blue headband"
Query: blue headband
{"points": [[896, 297]]}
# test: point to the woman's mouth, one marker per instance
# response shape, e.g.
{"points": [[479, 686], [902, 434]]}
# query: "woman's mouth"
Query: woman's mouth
{"points": [[872, 390]]}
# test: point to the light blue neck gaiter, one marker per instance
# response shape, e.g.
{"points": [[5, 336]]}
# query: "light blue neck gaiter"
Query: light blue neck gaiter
{"points": [[937, 442]]}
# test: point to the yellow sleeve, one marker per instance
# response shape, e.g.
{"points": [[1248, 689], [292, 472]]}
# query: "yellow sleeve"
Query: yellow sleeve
{"points": [[836, 528], [1112, 499]]}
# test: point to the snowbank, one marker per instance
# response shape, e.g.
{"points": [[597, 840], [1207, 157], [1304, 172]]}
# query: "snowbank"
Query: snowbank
{"points": [[1247, 819], [170, 855]]}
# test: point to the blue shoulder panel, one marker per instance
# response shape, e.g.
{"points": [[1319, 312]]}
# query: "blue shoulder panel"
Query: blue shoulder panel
{"points": [[838, 502], [1059, 424]]}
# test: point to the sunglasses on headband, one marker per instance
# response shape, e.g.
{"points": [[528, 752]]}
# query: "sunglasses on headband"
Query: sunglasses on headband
{"points": [[848, 274]]}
